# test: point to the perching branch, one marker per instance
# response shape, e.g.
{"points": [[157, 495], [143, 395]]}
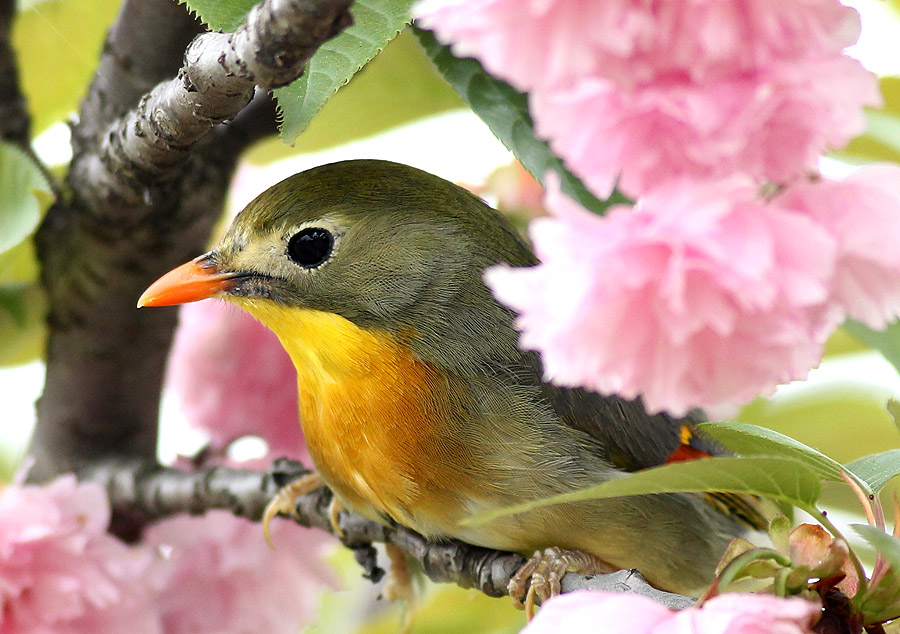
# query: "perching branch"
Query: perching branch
{"points": [[156, 492]]}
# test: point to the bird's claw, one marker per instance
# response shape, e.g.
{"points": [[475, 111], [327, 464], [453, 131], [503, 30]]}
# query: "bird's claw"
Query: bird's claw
{"points": [[399, 586], [545, 570], [335, 508], [284, 502]]}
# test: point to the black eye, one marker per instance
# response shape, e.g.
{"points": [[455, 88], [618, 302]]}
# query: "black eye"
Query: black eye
{"points": [[310, 247]]}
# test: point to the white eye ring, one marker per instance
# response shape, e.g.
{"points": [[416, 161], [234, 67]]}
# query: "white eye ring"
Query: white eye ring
{"points": [[311, 247], [312, 244]]}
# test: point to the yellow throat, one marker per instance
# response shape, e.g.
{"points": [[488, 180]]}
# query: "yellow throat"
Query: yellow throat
{"points": [[368, 409]]}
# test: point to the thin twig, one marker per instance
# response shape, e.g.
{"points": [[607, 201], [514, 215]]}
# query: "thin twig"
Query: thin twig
{"points": [[15, 124]]}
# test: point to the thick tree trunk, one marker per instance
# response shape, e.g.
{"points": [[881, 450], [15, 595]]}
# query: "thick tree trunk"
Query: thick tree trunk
{"points": [[147, 181]]}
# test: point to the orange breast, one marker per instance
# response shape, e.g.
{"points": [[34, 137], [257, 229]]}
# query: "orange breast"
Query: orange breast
{"points": [[380, 425], [383, 436]]}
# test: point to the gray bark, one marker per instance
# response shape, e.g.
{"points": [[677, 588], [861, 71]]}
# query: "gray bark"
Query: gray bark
{"points": [[147, 182], [158, 492]]}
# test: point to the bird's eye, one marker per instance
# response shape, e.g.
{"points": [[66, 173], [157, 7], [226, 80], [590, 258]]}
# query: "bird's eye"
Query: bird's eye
{"points": [[310, 247]]}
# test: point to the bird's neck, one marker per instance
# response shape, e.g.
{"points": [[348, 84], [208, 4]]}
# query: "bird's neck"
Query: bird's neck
{"points": [[325, 348]]}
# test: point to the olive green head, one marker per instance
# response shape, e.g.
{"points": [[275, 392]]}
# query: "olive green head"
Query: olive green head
{"points": [[383, 245]]}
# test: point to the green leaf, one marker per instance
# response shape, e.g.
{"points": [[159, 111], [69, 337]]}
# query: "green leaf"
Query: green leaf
{"points": [[783, 479], [887, 341], [398, 86], [893, 408], [22, 325], [880, 603], [58, 44], [375, 23], [752, 440], [505, 111], [12, 300], [19, 265], [220, 15], [843, 418], [876, 470], [881, 140], [24, 196], [842, 342]]}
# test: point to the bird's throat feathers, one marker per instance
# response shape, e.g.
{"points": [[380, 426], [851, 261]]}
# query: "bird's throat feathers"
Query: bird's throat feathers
{"points": [[324, 347], [369, 410]]}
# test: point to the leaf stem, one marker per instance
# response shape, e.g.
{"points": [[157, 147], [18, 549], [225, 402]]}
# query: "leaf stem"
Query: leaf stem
{"points": [[737, 565]]}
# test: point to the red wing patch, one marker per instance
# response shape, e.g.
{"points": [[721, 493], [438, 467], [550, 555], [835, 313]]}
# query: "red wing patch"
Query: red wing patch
{"points": [[743, 508]]}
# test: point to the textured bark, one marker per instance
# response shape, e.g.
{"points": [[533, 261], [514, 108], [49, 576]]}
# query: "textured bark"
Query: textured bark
{"points": [[104, 245], [157, 492], [221, 70], [104, 362]]}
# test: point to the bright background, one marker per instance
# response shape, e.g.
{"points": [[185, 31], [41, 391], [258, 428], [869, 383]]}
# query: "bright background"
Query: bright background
{"points": [[838, 410], [460, 148]]}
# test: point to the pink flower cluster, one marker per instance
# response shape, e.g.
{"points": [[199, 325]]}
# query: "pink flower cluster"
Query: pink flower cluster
{"points": [[737, 261], [217, 574], [62, 573], [704, 293], [637, 92], [632, 614]]}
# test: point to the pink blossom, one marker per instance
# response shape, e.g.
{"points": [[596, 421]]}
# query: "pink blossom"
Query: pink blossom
{"points": [[546, 44], [862, 212], [234, 379], [585, 610], [513, 190], [530, 42], [701, 295], [640, 91], [772, 124], [219, 576], [61, 573], [728, 613]]}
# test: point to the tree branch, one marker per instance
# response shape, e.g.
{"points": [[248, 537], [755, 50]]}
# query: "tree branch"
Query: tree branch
{"points": [[15, 124], [128, 222], [154, 493], [15, 121], [221, 70], [255, 122], [145, 46]]}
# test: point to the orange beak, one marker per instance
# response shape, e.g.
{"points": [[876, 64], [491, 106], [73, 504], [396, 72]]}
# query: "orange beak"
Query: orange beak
{"points": [[192, 281]]}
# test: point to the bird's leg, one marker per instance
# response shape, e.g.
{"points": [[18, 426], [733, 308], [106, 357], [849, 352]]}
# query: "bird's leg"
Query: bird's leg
{"points": [[399, 583], [284, 501], [545, 569], [399, 580]]}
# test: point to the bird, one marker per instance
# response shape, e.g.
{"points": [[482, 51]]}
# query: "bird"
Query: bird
{"points": [[417, 404]]}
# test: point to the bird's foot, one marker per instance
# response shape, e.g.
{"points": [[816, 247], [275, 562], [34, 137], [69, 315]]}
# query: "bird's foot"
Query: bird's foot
{"points": [[399, 579], [284, 503], [398, 586], [545, 571]]}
